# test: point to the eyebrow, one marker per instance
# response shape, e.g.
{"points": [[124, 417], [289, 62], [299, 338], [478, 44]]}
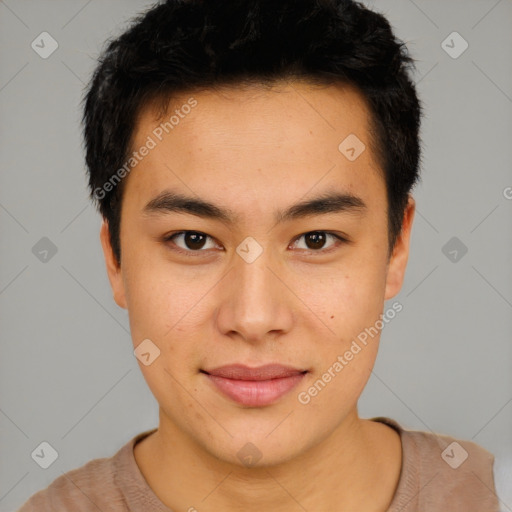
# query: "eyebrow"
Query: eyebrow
{"points": [[329, 202]]}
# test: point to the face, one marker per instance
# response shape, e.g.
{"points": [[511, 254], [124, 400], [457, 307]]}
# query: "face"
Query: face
{"points": [[254, 255]]}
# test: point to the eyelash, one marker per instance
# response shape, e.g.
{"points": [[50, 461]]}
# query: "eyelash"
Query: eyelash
{"points": [[190, 253]]}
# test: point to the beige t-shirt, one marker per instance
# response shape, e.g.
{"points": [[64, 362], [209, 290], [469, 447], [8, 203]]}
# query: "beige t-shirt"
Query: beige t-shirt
{"points": [[428, 482]]}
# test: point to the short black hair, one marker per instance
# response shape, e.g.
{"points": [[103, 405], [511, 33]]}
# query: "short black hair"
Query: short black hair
{"points": [[178, 46]]}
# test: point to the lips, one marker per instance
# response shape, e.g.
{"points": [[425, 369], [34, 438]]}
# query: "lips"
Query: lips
{"points": [[254, 387]]}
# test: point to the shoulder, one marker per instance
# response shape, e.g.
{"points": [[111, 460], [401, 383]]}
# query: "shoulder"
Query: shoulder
{"points": [[440, 471], [91, 487], [76, 490]]}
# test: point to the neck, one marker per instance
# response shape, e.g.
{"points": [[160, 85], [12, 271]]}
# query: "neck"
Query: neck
{"points": [[354, 468]]}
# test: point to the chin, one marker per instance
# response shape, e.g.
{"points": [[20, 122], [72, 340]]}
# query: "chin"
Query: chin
{"points": [[257, 452]]}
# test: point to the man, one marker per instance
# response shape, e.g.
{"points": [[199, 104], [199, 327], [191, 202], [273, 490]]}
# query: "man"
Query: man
{"points": [[253, 163]]}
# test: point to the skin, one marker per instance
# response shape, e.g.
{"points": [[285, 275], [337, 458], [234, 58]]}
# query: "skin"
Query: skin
{"points": [[256, 151]]}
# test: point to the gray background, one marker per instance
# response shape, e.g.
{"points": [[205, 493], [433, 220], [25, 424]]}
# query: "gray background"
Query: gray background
{"points": [[68, 375]]}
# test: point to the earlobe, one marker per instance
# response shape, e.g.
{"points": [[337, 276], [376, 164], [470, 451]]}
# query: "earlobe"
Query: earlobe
{"points": [[398, 261], [113, 269]]}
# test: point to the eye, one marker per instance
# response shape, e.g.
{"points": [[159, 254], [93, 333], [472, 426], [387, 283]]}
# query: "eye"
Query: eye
{"points": [[316, 240], [191, 241]]}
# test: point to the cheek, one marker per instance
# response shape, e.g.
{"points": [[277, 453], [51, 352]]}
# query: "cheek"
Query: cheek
{"points": [[356, 303], [346, 300], [333, 393], [345, 359], [161, 298]]}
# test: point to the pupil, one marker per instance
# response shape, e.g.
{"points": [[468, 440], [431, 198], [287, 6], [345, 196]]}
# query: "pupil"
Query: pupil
{"points": [[318, 240], [193, 240]]}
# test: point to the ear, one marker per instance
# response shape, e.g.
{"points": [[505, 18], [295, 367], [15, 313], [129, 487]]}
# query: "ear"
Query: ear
{"points": [[113, 269], [398, 260]]}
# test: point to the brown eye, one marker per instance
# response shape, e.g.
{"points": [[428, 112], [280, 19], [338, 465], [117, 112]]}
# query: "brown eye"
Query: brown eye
{"points": [[191, 241], [316, 241], [194, 240]]}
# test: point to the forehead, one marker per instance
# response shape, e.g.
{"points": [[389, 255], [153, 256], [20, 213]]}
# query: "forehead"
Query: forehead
{"points": [[296, 107], [252, 139]]}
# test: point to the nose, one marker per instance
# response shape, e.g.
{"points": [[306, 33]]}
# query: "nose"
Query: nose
{"points": [[256, 305]]}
